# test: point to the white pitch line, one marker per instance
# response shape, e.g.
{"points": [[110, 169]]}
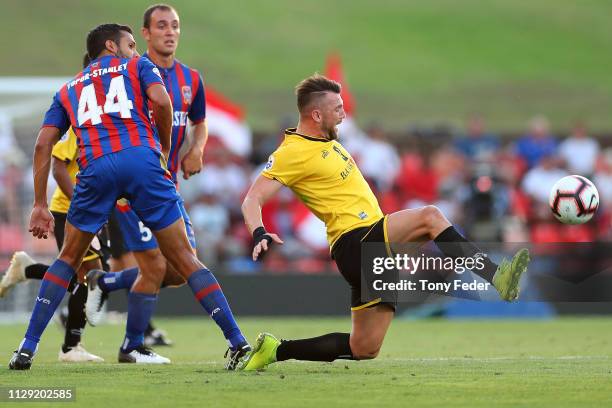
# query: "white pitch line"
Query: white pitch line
{"points": [[416, 359]]}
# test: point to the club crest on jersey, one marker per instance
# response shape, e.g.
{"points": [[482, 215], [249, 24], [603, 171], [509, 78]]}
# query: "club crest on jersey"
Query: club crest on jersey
{"points": [[186, 91], [270, 163]]}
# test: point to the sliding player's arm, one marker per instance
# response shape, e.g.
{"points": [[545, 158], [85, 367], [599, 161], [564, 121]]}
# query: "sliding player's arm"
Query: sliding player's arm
{"points": [[260, 192], [41, 220]]}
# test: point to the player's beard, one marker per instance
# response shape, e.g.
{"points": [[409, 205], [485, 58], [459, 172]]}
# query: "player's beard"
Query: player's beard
{"points": [[332, 133], [120, 54]]}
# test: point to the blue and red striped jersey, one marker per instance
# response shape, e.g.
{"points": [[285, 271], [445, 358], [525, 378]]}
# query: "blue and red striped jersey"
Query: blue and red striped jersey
{"points": [[186, 89], [107, 106]]}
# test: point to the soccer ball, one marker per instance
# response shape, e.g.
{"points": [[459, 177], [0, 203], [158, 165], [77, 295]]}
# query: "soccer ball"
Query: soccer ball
{"points": [[574, 200]]}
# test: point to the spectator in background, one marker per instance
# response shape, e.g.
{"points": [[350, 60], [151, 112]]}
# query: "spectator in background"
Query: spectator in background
{"points": [[418, 181], [222, 178], [540, 179], [580, 151], [12, 160], [537, 143], [477, 144], [603, 181], [210, 221], [379, 160]]}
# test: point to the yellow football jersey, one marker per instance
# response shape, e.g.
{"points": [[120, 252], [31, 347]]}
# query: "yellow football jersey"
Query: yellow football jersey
{"points": [[65, 150], [326, 179]]}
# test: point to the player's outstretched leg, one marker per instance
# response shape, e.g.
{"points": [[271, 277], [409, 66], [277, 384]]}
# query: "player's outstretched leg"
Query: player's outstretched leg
{"points": [[428, 223]]}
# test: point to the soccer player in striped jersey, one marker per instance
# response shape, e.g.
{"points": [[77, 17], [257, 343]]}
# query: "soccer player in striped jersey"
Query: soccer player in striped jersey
{"points": [[121, 155], [22, 267], [161, 30]]}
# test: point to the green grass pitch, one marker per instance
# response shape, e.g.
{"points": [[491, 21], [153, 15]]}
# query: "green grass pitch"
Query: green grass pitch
{"points": [[556, 363]]}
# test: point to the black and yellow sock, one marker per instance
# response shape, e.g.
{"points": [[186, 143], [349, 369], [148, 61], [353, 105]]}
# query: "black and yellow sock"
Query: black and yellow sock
{"points": [[455, 245], [36, 271], [328, 347]]}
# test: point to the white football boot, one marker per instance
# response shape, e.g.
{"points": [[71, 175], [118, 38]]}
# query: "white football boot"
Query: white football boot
{"points": [[96, 297], [78, 354], [142, 355], [15, 272]]}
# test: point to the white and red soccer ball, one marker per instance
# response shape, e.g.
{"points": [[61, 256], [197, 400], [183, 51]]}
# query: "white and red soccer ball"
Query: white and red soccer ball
{"points": [[574, 200]]}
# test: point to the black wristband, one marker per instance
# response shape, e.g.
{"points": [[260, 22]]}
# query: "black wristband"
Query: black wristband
{"points": [[259, 234]]}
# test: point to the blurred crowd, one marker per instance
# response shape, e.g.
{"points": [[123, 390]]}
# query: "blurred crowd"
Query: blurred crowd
{"points": [[494, 189]]}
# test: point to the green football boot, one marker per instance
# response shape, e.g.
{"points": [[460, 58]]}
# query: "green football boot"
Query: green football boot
{"points": [[263, 354], [508, 275]]}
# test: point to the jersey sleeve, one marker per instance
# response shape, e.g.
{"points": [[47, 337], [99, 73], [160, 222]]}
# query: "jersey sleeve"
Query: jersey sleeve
{"points": [[66, 148], [148, 73], [56, 116], [284, 165], [197, 111]]}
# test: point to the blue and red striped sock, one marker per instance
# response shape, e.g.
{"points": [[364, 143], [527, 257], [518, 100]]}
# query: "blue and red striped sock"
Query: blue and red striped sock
{"points": [[52, 291], [112, 281], [208, 292], [140, 310]]}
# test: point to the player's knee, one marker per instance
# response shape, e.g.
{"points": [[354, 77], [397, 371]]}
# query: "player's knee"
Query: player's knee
{"points": [[364, 349], [432, 216], [366, 353], [183, 260]]}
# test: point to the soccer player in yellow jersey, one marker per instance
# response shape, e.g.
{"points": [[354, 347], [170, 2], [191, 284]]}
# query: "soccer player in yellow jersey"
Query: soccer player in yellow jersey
{"points": [[312, 163], [23, 267]]}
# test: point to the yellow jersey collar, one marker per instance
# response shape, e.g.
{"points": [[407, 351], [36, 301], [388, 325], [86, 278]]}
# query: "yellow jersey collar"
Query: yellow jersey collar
{"points": [[293, 131]]}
